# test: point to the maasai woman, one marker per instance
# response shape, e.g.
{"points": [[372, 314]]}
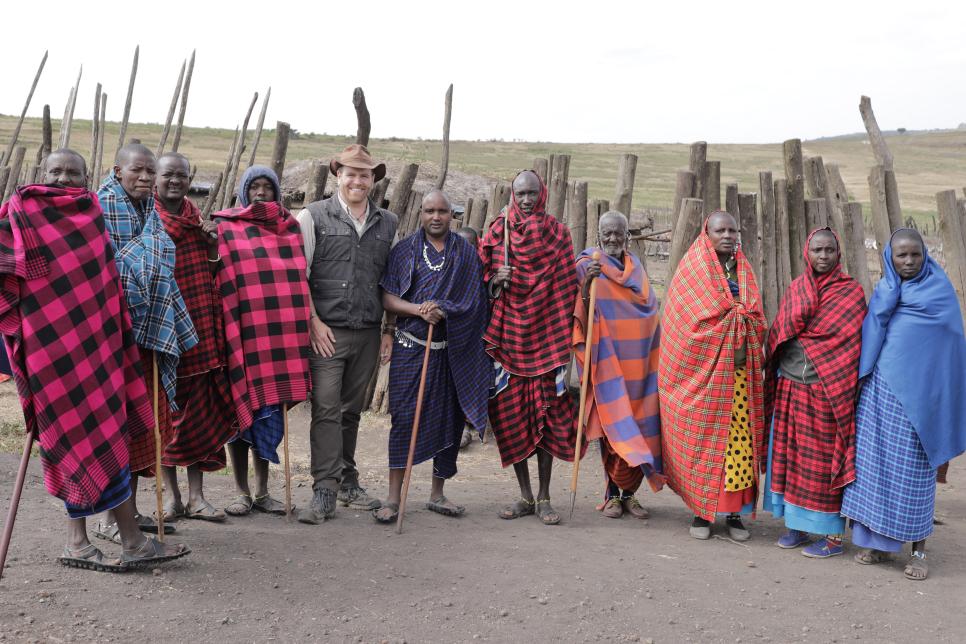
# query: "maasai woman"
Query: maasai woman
{"points": [[810, 382], [709, 380], [911, 404]]}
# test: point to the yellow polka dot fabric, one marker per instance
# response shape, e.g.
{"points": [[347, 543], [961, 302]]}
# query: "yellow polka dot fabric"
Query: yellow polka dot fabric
{"points": [[739, 460]]}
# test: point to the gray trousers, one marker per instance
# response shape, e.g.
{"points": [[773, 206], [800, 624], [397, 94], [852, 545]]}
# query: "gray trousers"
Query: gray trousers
{"points": [[338, 393]]}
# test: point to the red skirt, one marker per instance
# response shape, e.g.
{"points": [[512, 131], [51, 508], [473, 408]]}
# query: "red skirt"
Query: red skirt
{"points": [[203, 423], [529, 414]]}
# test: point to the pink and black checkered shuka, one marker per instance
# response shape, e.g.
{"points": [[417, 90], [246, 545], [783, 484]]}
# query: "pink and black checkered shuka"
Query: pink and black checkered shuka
{"points": [[69, 336], [265, 297]]}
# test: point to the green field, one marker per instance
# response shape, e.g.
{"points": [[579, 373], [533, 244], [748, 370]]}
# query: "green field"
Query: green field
{"points": [[926, 162]]}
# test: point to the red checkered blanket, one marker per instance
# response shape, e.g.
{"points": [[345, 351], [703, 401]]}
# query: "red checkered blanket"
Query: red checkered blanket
{"points": [[265, 298]]}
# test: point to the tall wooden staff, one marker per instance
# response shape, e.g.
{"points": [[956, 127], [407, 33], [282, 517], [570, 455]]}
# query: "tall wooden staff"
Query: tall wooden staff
{"points": [[157, 451], [288, 471], [584, 386], [412, 439], [15, 500]]}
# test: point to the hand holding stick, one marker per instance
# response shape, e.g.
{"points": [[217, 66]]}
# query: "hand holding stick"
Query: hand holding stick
{"points": [[412, 441]]}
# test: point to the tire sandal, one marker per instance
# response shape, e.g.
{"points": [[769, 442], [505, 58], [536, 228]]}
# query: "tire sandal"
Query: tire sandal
{"points": [[386, 518], [150, 553], [870, 557], [89, 558], [917, 569], [174, 512], [241, 506], [269, 505], [439, 506], [207, 512], [548, 517], [149, 525], [107, 532], [521, 508]]}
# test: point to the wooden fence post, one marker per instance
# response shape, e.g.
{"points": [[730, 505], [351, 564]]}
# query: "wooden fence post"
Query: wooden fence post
{"points": [[127, 102], [399, 201], [731, 201], [447, 115], [542, 167], [476, 217], [782, 236], [184, 103], [685, 231], [624, 192], [364, 126], [750, 244], [47, 134], [597, 208], [557, 199], [711, 190], [15, 165], [236, 157], [282, 131], [954, 245], [578, 216], [881, 225], [816, 213], [171, 109], [377, 194], [95, 125], [892, 200], [881, 151], [696, 160], [317, 179], [767, 225], [259, 127], [853, 236], [68, 122], [23, 113], [797, 222], [683, 189], [101, 132]]}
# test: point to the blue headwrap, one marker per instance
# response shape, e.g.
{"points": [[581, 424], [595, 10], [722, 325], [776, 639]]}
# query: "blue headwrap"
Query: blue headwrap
{"points": [[913, 334], [257, 172]]}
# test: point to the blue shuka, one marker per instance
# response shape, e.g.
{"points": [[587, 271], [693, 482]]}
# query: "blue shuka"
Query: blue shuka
{"points": [[458, 377], [911, 406]]}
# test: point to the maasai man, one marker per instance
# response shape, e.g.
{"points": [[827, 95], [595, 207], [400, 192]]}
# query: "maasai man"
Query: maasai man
{"points": [[265, 303], [531, 277], [434, 278], [347, 240], [810, 382], [162, 328], [77, 365], [909, 419], [710, 380], [205, 417], [473, 237], [622, 404]]}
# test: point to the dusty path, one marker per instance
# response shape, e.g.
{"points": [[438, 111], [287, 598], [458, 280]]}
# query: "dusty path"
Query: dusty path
{"points": [[477, 578]]}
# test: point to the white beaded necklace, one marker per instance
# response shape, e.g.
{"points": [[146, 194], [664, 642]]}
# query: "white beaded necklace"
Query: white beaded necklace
{"points": [[429, 265]]}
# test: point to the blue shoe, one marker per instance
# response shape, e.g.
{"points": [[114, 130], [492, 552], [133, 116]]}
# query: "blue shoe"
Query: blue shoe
{"points": [[823, 549], [792, 539]]}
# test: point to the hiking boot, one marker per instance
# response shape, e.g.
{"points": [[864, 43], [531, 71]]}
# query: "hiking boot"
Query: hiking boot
{"points": [[321, 508], [613, 508], [634, 508], [355, 497]]}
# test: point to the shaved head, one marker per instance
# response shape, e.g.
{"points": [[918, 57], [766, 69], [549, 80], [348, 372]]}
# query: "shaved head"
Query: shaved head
{"points": [[436, 193], [130, 150], [824, 233], [65, 152], [613, 216], [908, 234], [173, 155], [720, 216], [66, 168]]}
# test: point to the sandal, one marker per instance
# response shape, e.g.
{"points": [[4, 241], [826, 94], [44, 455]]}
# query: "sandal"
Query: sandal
{"points": [[550, 516], [206, 512], [439, 506], [521, 508], [151, 552], [386, 518], [174, 512], [107, 532], [148, 524], [917, 569], [89, 558], [870, 557], [241, 506], [269, 505]]}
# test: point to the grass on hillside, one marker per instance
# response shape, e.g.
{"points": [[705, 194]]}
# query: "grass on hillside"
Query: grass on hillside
{"points": [[926, 162]]}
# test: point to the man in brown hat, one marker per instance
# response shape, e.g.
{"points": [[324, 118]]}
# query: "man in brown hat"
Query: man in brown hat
{"points": [[347, 240]]}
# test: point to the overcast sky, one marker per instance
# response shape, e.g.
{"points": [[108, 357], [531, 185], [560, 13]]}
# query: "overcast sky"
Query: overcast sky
{"points": [[630, 72]]}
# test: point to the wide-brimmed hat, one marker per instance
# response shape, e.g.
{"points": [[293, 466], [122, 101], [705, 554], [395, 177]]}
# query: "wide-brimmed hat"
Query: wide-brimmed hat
{"points": [[357, 156]]}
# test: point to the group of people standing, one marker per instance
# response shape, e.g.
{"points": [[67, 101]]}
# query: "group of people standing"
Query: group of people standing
{"points": [[106, 297]]}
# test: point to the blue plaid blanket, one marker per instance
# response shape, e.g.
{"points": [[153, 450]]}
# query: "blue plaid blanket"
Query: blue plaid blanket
{"points": [[145, 260]]}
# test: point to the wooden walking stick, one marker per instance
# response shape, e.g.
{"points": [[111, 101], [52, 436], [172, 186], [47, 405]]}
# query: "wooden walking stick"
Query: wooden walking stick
{"points": [[412, 440], [584, 386], [288, 471], [15, 500], [157, 450]]}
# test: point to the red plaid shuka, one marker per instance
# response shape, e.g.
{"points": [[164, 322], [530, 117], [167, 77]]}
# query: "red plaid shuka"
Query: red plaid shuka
{"points": [[69, 338], [197, 436], [530, 323], [825, 313], [265, 298], [703, 325]]}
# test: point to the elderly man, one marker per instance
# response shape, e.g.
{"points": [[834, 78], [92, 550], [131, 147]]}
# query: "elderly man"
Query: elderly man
{"points": [[145, 259], [203, 423], [528, 265], [434, 279], [622, 402], [346, 240], [69, 334]]}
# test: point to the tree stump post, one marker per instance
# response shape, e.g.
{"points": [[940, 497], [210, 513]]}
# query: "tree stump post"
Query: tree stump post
{"points": [[797, 222], [597, 208], [683, 189], [364, 123], [685, 231], [782, 236], [731, 201], [557, 198], [318, 176], [881, 225], [624, 192], [476, 217], [696, 160], [447, 115], [767, 225], [378, 193], [750, 244], [954, 246], [542, 167], [282, 131], [881, 151], [816, 212], [838, 198], [578, 216], [399, 201], [711, 189], [892, 200], [853, 236]]}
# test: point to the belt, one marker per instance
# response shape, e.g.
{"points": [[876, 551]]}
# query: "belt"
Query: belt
{"points": [[407, 340]]}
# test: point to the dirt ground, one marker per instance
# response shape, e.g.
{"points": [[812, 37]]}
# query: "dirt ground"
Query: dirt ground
{"points": [[261, 578]]}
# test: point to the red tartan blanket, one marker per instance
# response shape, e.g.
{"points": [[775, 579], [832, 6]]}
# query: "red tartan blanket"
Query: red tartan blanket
{"points": [[530, 323], [69, 337], [265, 298], [196, 281], [702, 325], [825, 312]]}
